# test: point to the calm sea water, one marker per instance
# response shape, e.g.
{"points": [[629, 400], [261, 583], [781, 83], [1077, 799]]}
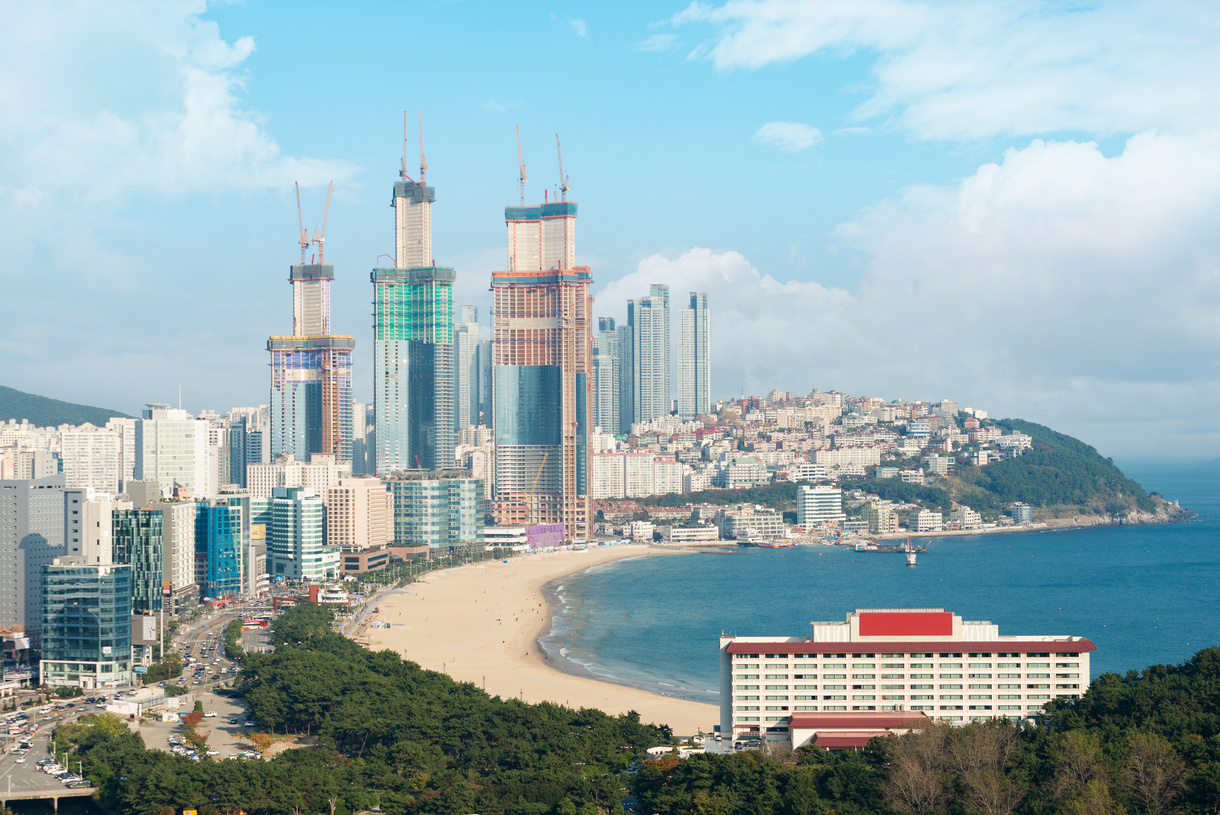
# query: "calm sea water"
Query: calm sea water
{"points": [[1143, 595]]}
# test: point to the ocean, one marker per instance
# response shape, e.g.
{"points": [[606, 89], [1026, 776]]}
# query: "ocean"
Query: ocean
{"points": [[1143, 594]]}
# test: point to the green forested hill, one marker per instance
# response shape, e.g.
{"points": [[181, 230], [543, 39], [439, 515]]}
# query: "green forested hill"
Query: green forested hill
{"points": [[44, 412], [1058, 470]]}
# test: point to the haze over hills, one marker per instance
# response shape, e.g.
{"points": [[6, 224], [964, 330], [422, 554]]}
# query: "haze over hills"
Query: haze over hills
{"points": [[46, 412]]}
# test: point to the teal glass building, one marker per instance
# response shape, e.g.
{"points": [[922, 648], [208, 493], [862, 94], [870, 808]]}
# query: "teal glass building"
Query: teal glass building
{"points": [[86, 624], [139, 542]]}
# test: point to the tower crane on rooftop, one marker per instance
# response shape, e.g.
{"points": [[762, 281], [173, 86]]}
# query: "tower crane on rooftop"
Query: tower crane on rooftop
{"points": [[521, 163], [563, 179], [423, 165], [300, 224], [402, 172], [319, 236]]}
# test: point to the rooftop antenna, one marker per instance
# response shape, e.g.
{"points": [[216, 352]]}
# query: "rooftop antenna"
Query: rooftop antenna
{"points": [[300, 224], [402, 172], [423, 165], [319, 236], [521, 162], [563, 179]]}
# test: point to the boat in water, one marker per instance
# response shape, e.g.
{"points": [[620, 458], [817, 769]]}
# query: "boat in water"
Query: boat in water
{"points": [[907, 548]]}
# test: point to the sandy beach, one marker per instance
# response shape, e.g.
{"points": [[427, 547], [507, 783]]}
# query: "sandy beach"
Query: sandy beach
{"points": [[481, 623]]}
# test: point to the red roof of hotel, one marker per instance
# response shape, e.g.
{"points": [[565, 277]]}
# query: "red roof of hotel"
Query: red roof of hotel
{"points": [[856, 721], [840, 741], [906, 646]]}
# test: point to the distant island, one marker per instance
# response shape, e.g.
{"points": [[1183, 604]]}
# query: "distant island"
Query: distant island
{"points": [[42, 411]]}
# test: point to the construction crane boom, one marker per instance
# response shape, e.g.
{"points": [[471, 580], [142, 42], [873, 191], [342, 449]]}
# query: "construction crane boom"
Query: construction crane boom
{"points": [[521, 163], [402, 172], [319, 236], [423, 165], [563, 179], [301, 224]]}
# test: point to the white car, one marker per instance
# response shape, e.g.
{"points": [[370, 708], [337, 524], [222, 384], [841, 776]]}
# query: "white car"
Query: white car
{"points": [[20, 759]]}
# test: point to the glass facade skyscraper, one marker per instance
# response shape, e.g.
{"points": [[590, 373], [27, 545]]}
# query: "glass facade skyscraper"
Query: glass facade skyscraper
{"points": [[138, 542], [221, 540], [296, 539], [86, 629], [437, 509], [543, 358], [694, 385], [413, 366]]}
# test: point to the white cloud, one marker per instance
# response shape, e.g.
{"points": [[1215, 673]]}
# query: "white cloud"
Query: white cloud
{"points": [[969, 69], [106, 101], [1059, 285], [658, 43], [790, 137], [579, 27]]}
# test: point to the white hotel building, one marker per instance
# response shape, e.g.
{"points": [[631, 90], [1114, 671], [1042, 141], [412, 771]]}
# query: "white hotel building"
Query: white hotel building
{"points": [[919, 661]]}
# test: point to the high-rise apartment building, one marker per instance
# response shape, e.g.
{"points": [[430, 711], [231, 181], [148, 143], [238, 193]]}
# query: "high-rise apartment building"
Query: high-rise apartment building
{"points": [[648, 318], [311, 371], [86, 632], [92, 457], [413, 341], [32, 526], [172, 448], [626, 377], [486, 391], [694, 387], [605, 405], [466, 369], [542, 326], [319, 473], [359, 515]]}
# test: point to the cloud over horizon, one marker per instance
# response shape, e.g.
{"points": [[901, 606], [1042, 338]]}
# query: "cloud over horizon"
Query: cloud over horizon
{"points": [[1057, 285]]}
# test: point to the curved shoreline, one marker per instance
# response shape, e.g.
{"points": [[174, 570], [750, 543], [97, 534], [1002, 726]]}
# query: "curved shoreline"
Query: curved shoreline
{"points": [[560, 611], [449, 622]]}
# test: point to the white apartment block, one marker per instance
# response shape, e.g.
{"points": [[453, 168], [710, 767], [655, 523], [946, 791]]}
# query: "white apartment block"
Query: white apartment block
{"points": [[863, 456], [89, 526], [633, 475], [926, 521], [921, 660], [965, 518], [172, 448], [320, 473], [804, 471], [92, 458], [818, 505], [359, 514]]}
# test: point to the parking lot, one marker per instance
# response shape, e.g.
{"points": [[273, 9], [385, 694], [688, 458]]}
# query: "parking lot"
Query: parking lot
{"points": [[224, 729]]}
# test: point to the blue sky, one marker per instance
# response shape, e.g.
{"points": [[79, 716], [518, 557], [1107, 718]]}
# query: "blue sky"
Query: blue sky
{"points": [[1013, 204]]}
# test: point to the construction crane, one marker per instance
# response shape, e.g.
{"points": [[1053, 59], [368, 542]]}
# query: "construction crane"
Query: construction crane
{"points": [[319, 237], [301, 224], [529, 497], [403, 170], [521, 163], [423, 165], [563, 179]]}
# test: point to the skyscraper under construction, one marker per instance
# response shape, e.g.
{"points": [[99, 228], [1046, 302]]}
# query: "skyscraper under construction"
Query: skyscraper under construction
{"points": [[413, 339], [542, 326], [311, 370]]}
